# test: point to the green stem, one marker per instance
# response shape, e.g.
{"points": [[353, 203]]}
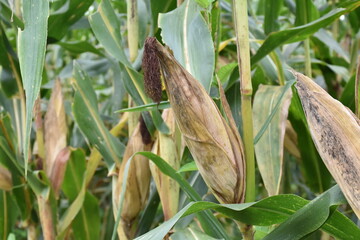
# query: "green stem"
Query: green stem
{"points": [[243, 53], [307, 58]]}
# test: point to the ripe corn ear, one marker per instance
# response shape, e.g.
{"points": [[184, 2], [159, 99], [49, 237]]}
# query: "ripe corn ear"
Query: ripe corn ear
{"points": [[217, 149]]}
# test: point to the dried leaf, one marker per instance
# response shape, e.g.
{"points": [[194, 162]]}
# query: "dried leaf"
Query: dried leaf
{"points": [[270, 147]]}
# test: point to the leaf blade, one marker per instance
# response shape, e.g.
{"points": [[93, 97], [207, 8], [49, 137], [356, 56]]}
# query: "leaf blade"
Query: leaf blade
{"points": [[32, 47], [269, 149]]}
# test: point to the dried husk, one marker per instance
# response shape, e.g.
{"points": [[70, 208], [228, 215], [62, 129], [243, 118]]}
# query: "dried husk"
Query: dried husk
{"points": [[137, 186], [217, 149], [58, 170], [55, 136], [165, 147], [46, 217], [5, 179], [290, 141], [335, 132]]}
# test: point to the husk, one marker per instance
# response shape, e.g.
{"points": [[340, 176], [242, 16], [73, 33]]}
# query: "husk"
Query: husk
{"points": [[217, 149], [5, 179], [336, 134], [55, 131], [137, 186], [165, 147]]}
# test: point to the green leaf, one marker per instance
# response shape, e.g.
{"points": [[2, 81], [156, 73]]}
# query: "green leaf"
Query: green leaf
{"points": [[186, 33], [160, 6], [19, 193], [204, 3], [60, 21], [9, 160], [7, 131], [74, 174], [7, 14], [31, 51], [87, 117], [348, 95], [149, 214], [274, 210], [147, 107], [331, 43], [74, 188], [306, 12], [299, 33], [79, 47], [271, 23], [106, 27], [269, 149], [71, 212], [8, 63], [310, 218], [190, 234], [87, 223], [189, 167], [11, 237], [225, 72], [8, 213]]}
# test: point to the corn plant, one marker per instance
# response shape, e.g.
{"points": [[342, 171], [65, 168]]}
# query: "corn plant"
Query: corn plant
{"points": [[187, 119]]}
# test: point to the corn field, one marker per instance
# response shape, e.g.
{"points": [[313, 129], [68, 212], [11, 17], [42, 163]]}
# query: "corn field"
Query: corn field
{"points": [[186, 119]]}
